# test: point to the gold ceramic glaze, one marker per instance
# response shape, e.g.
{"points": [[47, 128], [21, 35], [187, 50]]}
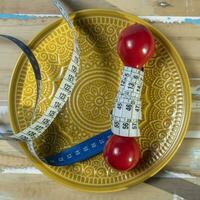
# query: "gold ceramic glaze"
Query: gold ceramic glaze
{"points": [[165, 99]]}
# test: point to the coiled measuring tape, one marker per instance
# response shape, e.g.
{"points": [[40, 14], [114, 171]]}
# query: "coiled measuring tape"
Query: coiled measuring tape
{"points": [[81, 151], [126, 111]]}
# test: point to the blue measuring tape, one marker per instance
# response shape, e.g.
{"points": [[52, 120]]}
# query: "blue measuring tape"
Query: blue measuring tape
{"points": [[76, 153], [81, 151]]}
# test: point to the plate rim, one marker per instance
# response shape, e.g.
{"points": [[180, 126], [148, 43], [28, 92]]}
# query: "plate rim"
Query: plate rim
{"points": [[107, 188]]}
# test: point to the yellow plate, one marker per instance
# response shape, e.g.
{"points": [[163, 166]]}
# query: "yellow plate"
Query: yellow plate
{"points": [[165, 108]]}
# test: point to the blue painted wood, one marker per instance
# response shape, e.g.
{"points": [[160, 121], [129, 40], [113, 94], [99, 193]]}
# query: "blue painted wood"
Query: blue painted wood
{"points": [[161, 19]]}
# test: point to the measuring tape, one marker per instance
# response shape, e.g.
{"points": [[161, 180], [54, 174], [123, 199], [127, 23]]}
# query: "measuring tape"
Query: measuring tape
{"points": [[79, 152], [127, 107], [124, 117]]}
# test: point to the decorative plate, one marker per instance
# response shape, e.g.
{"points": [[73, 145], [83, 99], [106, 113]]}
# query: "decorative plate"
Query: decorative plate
{"points": [[165, 99]]}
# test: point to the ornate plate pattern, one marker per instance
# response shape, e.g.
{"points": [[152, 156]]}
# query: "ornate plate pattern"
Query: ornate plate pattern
{"points": [[165, 99]]}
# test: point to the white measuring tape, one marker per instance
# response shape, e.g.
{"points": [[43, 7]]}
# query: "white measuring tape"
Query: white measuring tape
{"points": [[124, 117], [62, 94], [127, 108]]}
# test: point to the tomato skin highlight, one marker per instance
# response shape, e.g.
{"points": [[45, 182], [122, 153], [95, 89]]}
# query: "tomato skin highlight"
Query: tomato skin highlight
{"points": [[121, 153], [135, 45]]}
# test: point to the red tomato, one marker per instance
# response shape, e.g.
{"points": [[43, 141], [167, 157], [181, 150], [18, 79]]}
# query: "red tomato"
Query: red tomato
{"points": [[135, 45], [121, 153]]}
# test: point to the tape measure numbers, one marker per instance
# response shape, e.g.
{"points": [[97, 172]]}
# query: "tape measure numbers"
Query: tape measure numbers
{"points": [[124, 117], [79, 152], [127, 107]]}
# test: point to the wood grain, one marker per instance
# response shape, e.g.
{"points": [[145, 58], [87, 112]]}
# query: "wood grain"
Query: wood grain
{"points": [[46, 6], [184, 36], [187, 159], [159, 7], [34, 187], [137, 7]]}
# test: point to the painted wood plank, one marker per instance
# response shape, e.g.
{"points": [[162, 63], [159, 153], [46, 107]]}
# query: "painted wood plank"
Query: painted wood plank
{"points": [[159, 7], [185, 183], [33, 187], [184, 188], [195, 20], [187, 159], [138, 7], [13, 161], [11, 157], [46, 6]]}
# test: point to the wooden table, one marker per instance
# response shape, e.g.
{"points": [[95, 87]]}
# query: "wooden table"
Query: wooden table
{"points": [[180, 22]]}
